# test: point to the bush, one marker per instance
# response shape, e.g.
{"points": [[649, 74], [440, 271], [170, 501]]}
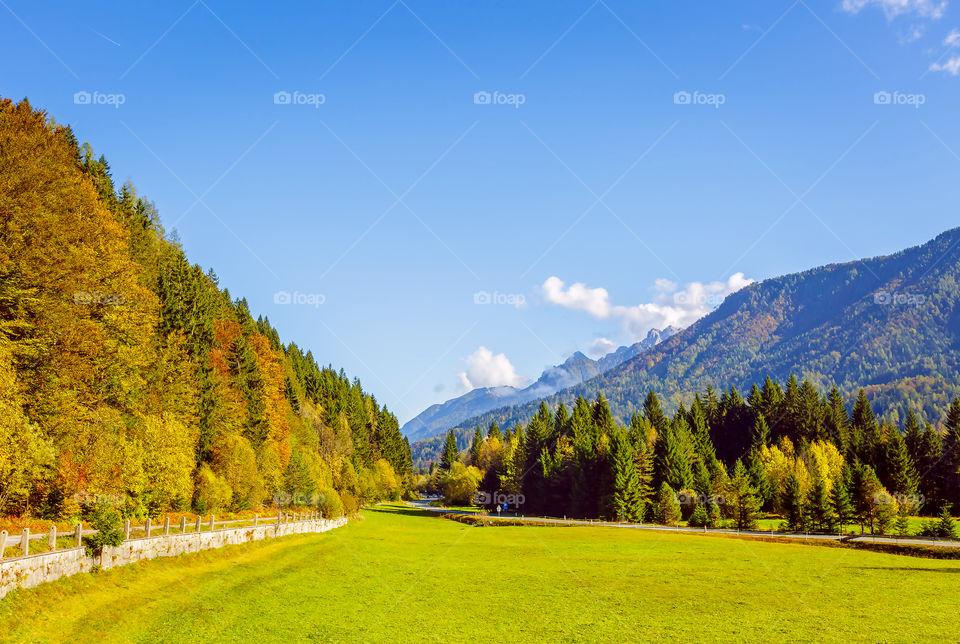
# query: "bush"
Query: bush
{"points": [[106, 520], [699, 518], [329, 504], [350, 503], [212, 492], [460, 484]]}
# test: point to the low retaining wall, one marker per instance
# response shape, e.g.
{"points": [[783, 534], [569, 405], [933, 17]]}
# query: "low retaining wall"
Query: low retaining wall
{"points": [[32, 570]]}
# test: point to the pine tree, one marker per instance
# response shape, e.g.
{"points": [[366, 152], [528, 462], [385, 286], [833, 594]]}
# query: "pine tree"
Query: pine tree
{"points": [[761, 432], [627, 502], [902, 526], [740, 499], [476, 445], [653, 412], [903, 477], [819, 514], [793, 504], [667, 505], [450, 452], [946, 525], [840, 504]]}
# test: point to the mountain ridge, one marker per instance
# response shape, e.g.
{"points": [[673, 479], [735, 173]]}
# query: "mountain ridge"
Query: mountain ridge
{"points": [[575, 369], [889, 323]]}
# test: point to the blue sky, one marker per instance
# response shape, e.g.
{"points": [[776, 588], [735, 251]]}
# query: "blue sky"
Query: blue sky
{"points": [[412, 223]]}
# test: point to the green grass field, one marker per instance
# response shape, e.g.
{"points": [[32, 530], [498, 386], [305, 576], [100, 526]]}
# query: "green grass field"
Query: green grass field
{"points": [[400, 574]]}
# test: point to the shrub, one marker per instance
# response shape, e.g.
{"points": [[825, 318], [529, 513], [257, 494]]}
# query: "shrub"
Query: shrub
{"points": [[460, 484], [350, 503], [212, 492], [329, 504], [699, 518], [106, 520]]}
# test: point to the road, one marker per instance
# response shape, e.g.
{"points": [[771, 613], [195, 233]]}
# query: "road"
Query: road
{"points": [[914, 541]]}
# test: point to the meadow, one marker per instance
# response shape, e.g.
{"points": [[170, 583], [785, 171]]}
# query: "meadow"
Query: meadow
{"points": [[400, 574]]}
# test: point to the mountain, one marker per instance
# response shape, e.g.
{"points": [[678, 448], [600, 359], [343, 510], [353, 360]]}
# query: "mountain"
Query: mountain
{"points": [[577, 368], [889, 324]]}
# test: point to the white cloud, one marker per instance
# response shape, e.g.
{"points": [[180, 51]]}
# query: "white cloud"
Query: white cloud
{"points": [[600, 347], [487, 370], [595, 301], [952, 66], [952, 39], [932, 9], [671, 306], [914, 34]]}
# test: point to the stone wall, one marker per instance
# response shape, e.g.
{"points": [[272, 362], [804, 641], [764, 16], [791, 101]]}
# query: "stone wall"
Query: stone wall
{"points": [[30, 571]]}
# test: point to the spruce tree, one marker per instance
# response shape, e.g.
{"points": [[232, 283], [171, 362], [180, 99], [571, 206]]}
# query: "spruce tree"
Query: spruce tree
{"points": [[840, 504], [946, 526], [667, 505], [740, 498], [476, 445], [819, 514], [450, 453], [627, 502], [792, 503]]}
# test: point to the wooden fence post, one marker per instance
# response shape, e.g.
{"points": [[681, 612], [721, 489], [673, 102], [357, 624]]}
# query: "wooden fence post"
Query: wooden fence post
{"points": [[183, 524], [166, 525], [3, 542], [256, 519], [52, 542], [212, 523], [146, 527], [78, 535], [198, 524], [126, 530], [25, 542]]}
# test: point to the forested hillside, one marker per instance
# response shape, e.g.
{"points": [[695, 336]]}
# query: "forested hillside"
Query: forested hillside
{"points": [[127, 372], [890, 325], [791, 450]]}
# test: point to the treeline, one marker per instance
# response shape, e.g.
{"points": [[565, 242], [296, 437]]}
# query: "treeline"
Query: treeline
{"points": [[127, 373], [784, 450]]}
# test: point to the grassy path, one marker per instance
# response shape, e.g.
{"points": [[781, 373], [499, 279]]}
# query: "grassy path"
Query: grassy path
{"points": [[401, 575]]}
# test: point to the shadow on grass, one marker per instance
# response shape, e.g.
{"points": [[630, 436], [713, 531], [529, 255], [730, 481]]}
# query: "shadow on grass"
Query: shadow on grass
{"points": [[405, 510], [897, 569]]}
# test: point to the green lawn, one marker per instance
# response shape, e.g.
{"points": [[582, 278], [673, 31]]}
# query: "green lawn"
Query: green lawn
{"points": [[403, 575]]}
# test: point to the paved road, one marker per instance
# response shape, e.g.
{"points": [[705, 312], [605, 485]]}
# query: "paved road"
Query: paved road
{"points": [[425, 505]]}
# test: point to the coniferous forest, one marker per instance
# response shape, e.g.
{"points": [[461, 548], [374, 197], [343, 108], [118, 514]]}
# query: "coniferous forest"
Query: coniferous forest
{"points": [[785, 450], [128, 372]]}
